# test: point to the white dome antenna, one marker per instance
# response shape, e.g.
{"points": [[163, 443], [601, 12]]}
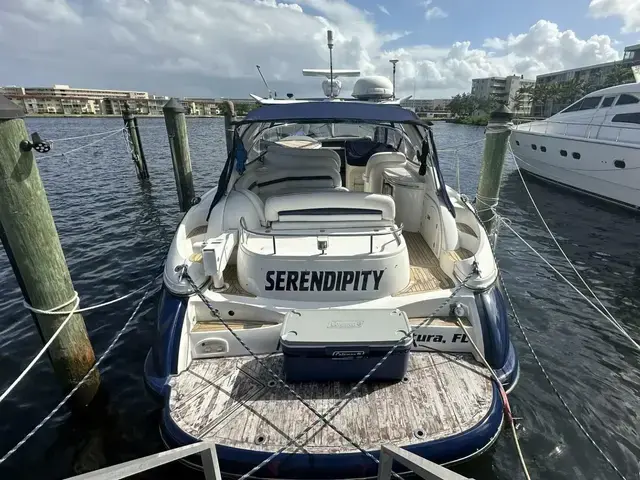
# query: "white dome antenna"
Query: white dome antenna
{"points": [[373, 89]]}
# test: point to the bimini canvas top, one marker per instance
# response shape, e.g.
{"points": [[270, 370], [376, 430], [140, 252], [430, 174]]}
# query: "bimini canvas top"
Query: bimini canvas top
{"points": [[336, 111]]}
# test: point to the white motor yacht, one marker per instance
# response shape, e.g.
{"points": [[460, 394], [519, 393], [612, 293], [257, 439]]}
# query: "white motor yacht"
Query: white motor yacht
{"points": [[592, 146]]}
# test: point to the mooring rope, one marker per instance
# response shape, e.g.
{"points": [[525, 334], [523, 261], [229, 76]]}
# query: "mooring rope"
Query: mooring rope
{"points": [[335, 409], [70, 313], [35, 429], [503, 395], [461, 145], [546, 226], [56, 140], [64, 154], [551, 384], [609, 318]]}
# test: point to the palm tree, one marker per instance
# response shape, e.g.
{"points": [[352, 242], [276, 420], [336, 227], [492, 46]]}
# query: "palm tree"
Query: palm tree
{"points": [[619, 75]]}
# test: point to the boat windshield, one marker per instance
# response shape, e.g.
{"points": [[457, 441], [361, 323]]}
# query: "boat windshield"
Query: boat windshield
{"points": [[314, 135]]}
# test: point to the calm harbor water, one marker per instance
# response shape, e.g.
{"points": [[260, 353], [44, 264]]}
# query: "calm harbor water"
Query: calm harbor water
{"points": [[115, 232]]}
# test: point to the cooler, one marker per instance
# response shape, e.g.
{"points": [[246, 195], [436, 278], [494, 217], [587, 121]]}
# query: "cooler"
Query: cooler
{"points": [[344, 345]]}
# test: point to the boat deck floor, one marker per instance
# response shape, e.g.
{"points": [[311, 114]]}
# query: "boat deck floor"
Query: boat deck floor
{"points": [[426, 274], [233, 402]]}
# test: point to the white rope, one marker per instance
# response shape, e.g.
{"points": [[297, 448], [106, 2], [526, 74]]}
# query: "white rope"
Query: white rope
{"points": [[608, 314], [81, 382], [54, 311], [588, 300], [459, 146], [83, 136], [551, 384], [57, 311], [64, 154], [504, 396]]}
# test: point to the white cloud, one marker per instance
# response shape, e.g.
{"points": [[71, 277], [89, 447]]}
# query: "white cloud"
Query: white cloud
{"points": [[628, 10], [435, 12], [432, 12], [211, 47], [383, 9]]}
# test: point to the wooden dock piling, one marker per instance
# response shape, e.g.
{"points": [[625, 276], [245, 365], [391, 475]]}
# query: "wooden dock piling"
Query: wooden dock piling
{"points": [[137, 154], [495, 148], [176, 123], [229, 116], [31, 242]]}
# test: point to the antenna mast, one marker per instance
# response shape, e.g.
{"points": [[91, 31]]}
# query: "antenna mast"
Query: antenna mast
{"points": [[330, 44], [394, 61], [264, 81]]}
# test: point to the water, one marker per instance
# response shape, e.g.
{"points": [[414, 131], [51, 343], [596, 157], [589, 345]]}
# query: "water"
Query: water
{"points": [[115, 231]]}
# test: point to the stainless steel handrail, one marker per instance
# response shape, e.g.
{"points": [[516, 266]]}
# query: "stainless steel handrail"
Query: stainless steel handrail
{"points": [[244, 230]]}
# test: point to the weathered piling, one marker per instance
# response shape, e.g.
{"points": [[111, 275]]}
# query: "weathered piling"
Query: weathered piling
{"points": [[137, 154], [495, 148], [229, 116], [31, 242], [176, 123]]}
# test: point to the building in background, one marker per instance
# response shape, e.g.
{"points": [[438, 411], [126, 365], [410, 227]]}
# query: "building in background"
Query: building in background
{"points": [[512, 91], [434, 108], [65, 100], [591, 78]]}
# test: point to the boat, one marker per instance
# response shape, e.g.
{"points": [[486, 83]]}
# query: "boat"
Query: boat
{"points": [[331, 264], [592, 146]]}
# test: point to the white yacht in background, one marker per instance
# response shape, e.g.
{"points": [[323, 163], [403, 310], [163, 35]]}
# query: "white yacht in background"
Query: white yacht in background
{"points": [[592, 146]]}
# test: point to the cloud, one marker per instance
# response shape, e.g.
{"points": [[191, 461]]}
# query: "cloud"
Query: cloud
{"points": [[433, 12], [383, 9], [628, 10], [274, 4], [211, 47]]}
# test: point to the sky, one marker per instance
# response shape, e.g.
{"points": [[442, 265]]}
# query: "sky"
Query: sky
{"points": [[209, 48]]}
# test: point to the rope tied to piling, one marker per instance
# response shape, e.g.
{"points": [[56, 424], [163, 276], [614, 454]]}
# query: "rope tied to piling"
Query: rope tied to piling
{"points": [[57, 311], [69, 152], [148, 292], [53, 311]]}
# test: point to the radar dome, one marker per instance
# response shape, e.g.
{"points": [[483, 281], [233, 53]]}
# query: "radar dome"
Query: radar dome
{"points": [[373, 88]]}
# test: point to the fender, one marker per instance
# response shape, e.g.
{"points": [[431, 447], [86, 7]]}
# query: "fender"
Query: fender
{"points": [[498, 348]]}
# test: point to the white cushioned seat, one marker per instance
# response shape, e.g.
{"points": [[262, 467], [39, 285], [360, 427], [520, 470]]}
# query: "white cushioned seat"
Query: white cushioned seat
{"points": [[377, 163], [329, 206], [266, 182], [287, 157]]}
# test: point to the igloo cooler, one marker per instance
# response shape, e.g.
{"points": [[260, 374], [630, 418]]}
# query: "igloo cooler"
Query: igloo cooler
{"points": [[344, 345]]}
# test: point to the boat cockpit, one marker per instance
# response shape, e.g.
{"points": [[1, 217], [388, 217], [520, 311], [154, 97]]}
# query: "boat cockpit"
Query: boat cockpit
{"points": [[318, 210]]}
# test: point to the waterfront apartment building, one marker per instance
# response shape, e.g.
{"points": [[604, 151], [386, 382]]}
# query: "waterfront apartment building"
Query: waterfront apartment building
{"points": [[436, 107], [65, 100], [504, 90], [594, 75]]}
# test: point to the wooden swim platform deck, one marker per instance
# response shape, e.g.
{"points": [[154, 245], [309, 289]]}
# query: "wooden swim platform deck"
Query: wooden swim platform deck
{"points": [[233, 401]]}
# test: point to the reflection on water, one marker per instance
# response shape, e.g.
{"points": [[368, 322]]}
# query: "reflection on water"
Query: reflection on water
{"points": [[115, 230]]}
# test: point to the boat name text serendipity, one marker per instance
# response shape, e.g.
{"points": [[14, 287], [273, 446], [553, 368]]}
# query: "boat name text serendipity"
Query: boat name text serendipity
{"points": [[323, 281]]}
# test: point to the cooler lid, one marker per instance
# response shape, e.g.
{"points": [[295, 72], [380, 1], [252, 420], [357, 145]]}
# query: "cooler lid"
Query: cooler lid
{"points": [[344, 326]]}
